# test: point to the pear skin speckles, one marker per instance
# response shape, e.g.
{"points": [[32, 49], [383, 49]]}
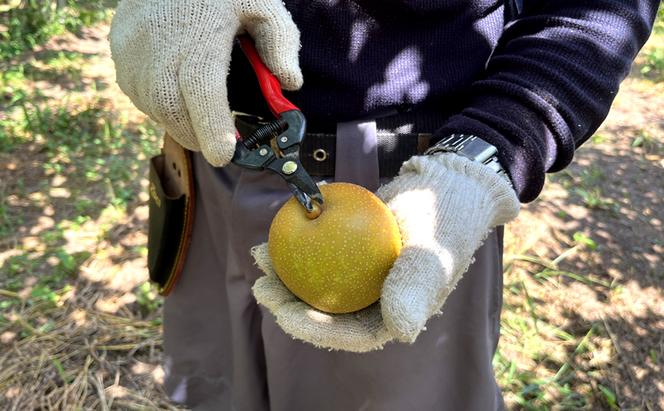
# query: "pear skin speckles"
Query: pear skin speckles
{"points": [[337, 262]]}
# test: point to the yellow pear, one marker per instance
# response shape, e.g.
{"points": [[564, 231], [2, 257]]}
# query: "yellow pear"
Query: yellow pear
{"points": [[338, 261]]}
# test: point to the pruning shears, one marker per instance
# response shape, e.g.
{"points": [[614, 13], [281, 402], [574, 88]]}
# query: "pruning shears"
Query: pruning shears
{"points": [[275, 146]]}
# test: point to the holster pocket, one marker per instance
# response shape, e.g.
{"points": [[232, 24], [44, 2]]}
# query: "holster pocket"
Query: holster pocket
{"points": [[171, 214]]}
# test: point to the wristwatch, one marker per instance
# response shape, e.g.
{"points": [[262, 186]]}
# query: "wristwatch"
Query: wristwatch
{"points": [[471, 147]]}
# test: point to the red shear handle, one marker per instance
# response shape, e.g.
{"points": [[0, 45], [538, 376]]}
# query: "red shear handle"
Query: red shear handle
{"points": [[270, 86]]}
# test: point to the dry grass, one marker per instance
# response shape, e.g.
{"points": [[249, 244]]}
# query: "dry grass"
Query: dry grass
{"points": [[66, 354]]}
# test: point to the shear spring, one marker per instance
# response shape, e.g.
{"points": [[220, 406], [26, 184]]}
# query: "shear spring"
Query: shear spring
{"points": [[265, 133]]}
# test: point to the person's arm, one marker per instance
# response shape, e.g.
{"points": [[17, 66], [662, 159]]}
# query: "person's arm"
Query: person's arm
{"points": [[550, 82]]}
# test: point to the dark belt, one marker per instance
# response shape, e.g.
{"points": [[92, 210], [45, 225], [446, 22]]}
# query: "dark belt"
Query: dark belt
{"points": [[317, 152]]}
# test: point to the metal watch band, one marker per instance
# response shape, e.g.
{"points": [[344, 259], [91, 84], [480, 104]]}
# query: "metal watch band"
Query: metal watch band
{"points": [[471, 147]]}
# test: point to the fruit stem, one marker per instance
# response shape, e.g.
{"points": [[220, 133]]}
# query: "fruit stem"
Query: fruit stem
{"points": [[316, 212]]}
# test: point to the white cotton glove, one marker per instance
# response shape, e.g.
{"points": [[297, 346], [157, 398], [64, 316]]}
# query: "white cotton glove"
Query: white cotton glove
{"points": [[172, 58], [445, 206]]}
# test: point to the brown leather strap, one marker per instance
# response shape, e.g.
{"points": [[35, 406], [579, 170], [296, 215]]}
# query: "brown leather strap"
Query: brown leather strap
{"points": [[178, 179]]}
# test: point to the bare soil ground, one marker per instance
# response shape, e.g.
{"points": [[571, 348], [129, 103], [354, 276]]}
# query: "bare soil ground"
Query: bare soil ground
{"points": [[605, 284], [583, 322]]}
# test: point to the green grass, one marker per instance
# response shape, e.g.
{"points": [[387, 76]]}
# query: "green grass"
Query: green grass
{"points": [[147, 298], [549, 358], [96, 154], [539, 365], [586, 185], [99, 160], [652, 58], [82, 142], [659, 21], [648, 143], [32, 22], [653, 65]]}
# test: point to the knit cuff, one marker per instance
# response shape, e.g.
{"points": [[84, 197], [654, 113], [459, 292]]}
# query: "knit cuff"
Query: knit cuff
{"points": [[461, 171]]}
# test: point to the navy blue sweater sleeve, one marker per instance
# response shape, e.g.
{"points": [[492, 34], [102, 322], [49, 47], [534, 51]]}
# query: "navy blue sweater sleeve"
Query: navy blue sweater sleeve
{"points": [[550, 82]]}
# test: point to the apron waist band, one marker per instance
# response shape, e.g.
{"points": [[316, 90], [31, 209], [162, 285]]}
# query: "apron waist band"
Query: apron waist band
{"points": [[318, 152]]}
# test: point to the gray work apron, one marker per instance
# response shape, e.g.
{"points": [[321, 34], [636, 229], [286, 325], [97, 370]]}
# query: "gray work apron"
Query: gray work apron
{"points": [[224, 352]]}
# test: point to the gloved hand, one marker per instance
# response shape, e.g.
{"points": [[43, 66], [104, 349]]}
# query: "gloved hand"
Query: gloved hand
{"points": [[172, 58], [445, 206]]}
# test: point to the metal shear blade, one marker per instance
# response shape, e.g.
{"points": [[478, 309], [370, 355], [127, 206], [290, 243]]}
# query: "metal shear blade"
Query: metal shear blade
{"points": [[255, 152]]}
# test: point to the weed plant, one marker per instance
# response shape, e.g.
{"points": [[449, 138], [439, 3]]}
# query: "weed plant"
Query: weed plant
{"points": [[29, 23]]}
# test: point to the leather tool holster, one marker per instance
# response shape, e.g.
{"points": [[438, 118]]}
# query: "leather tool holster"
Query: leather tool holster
{"points": [[171, 217]]}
